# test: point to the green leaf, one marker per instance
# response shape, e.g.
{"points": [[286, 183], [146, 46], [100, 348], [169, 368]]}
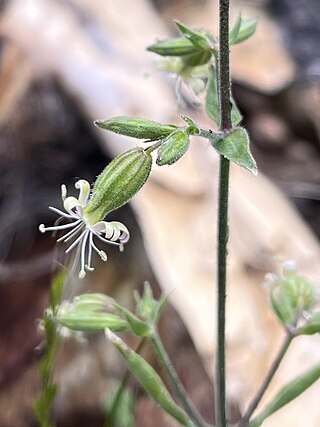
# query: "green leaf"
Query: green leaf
{"points": [[177, 46], [125, 409], [193, 128], [136, 128], [196, 59], [288, 393], [137, 326], [199, 40], [173, 148], [246, 30], [42, 406], [212, 101], [235, 30], [149, 379], [148, 307], [56, 290], [235, 147], [312, 327]]}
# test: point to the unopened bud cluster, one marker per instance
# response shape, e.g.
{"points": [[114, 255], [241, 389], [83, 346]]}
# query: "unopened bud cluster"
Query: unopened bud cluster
{"points": [[293, 300]]}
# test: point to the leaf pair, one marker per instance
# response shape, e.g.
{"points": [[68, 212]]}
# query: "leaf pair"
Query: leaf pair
{"points": [[242, 30]]}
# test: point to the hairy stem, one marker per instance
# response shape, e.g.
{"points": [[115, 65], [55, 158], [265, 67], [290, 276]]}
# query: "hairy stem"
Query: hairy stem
{"points": [[225, 125], [176, 383], [266, 382]]}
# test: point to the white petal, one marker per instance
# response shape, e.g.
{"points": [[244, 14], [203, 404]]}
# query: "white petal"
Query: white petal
{"points": [[99, 227], [63, 192], [125, 235], [84, 188], [70, 203]]}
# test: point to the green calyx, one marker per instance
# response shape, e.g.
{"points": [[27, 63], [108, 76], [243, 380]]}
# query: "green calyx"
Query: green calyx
{"points": [[118, 183], [136, 128], [177, 46], [173, 148]]}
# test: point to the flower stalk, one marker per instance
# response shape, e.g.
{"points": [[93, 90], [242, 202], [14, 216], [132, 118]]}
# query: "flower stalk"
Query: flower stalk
{"points": [[267, 380], [175, 381]]}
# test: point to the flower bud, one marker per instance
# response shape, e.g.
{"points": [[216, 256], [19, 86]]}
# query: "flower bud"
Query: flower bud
{"points": [[136, 128], [88, 313], [173, 148], [92, 322], [148, 379], [177, 46], [291, 296], [118, 183]]}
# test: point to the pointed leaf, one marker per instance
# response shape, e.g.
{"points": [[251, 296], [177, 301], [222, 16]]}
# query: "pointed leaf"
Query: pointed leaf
{"points": [[57, 289], [196, 38], [247, 29], [235, 147], [212, 101], [148, 307], [124, 410], [235, 30], [193, 128], [288, 393], [312, 327]]}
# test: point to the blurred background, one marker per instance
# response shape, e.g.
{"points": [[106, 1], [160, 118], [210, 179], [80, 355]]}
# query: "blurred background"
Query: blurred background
{"points": [[65, 63]]}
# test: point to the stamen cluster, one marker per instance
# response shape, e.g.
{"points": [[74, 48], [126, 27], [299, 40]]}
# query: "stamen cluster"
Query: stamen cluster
{"points": [[81, 232]]}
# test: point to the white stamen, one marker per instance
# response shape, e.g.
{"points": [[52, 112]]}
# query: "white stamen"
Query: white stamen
{"points": [[90, 253], [58, 211], [76, 242], [83, 249], [103, 256], [43, 229], [66, 237], [82, 274]]}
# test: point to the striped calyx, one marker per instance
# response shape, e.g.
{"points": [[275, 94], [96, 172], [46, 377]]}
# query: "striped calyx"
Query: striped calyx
{"points": [[118, 183]]}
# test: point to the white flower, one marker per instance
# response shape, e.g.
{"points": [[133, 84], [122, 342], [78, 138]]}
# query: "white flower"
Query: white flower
{"points": [[81, 231]]}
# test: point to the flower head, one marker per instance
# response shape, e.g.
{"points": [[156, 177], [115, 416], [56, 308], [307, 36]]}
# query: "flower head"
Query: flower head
{"points": [[82, 232]]}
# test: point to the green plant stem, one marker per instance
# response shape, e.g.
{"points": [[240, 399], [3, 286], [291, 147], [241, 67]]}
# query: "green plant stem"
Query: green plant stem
{"points": [[176, 383], [110, 420], [222, 273], [267, 380], [225, 120]]}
